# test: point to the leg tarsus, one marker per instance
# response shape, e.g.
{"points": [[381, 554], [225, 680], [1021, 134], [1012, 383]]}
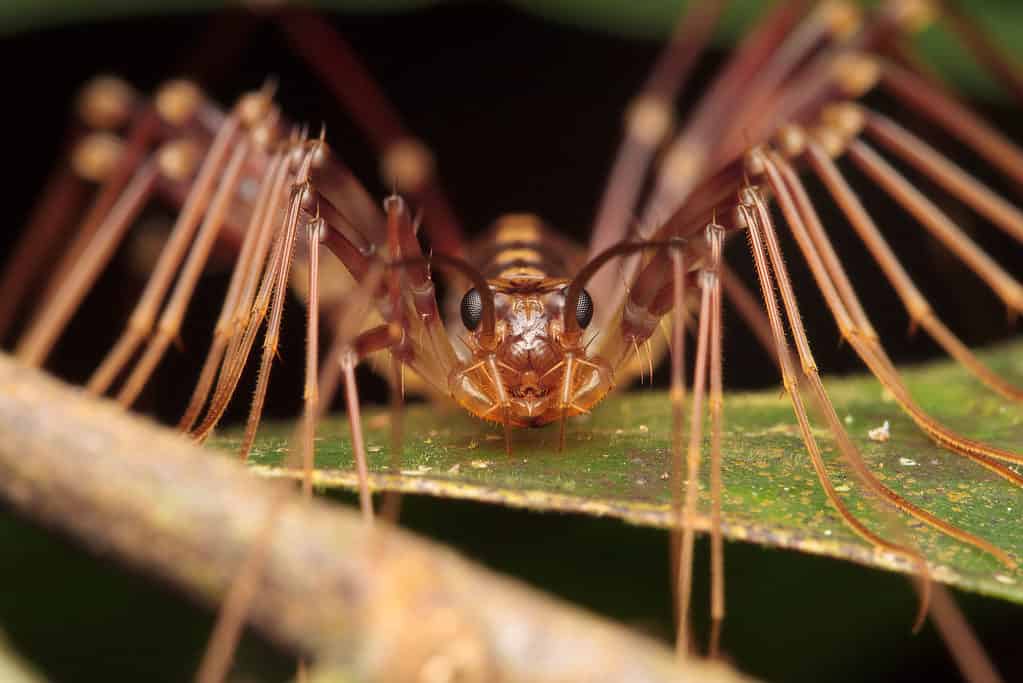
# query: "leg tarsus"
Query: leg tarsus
{"points": [[390, 507], [693, 469], [843, 317], [756, 218], [307, 442], [348, 362], [717, 550]]}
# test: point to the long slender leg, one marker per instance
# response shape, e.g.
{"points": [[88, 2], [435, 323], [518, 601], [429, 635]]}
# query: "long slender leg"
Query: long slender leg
{"points": [[220, 649], [345, 353], [984, 49], [973, 661], [693, 473], [348, 362], [423, 321], [37, 342], [796, 223], [240, 345], [349, 320], [226, 633], [743, 301], [338, 187], [51, 220], [856, 328], [238, 351], [273, 326], [142, 319], [138, 142], [90, 155], [302, 199], [940, 107], [969, 655], [919, 309], [647, 123], [170, 320], [791, 384], [250, 260], [771, 49], [254, 300], [329, 380], [717, 546], [685, 158], [845, 71], [938, 224], [956, 181], [678, 398], [971, 658], [391, 506], [311, 408], [307, 443], [405, 160], [829, 23], [98, 233]]}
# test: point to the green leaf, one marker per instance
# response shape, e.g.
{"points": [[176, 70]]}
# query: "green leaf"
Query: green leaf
{"points": [[617, 461], [1002, 19]]}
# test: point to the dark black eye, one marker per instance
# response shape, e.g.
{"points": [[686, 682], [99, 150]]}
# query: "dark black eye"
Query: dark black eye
{"points": [[472, 309], [584, 309]]}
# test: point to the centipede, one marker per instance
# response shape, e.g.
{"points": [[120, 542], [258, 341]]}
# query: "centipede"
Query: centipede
{"points": [[716, 170]]}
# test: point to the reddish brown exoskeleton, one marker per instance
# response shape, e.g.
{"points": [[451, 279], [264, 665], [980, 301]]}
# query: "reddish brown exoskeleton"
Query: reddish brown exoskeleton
{"points": [[546, 329]]}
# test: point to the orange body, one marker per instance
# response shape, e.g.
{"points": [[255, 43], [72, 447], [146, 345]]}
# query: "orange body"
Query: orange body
{"points": [[530, 378]]}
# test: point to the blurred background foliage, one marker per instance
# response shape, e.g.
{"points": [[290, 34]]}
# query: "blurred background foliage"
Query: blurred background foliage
{"points": [[649, 20], [523, 113]]}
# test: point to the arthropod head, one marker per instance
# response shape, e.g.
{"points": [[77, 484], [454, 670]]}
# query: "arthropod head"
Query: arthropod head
{"points": [[525, 370]]}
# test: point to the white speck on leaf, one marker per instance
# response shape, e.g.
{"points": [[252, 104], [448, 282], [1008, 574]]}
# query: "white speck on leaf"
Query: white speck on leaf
{"points": [[881, 434]]}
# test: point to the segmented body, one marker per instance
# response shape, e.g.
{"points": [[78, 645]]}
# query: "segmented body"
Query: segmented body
{"points": [[533, 361], [529, 267]]}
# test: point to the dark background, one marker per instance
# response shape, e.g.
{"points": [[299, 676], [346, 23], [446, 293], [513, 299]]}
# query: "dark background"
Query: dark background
{"points": [[522, 115]]}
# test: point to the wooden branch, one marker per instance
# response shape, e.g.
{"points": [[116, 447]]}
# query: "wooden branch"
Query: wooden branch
{"points": [[12, 668], [380, 604]]}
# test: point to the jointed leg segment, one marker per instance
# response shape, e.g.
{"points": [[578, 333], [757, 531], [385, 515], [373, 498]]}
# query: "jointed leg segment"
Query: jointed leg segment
{"points": [[708, 361], [295, 182], [754, 215], [853, 333], [143, 318]]}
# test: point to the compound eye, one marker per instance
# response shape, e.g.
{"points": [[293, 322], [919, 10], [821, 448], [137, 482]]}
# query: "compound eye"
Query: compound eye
{"points": [[584, 309], [472, 309]]}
